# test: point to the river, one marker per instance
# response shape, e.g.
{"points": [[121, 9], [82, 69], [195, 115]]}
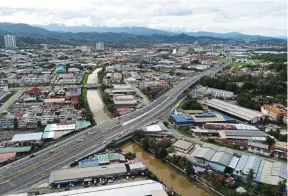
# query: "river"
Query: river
{"points": [[94, 100], [171, 178]]}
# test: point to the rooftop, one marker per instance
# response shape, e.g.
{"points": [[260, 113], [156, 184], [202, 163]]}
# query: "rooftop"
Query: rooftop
{"points": [[27, 137], [182, 144], [87, 172], [241, 112], [138, 188]]}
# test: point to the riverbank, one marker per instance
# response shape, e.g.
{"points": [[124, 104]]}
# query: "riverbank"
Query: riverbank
{"points": [[95, 102], [168, 175]]}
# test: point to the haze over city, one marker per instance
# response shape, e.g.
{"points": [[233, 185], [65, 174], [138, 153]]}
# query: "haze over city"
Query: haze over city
{"points": [[259, 17]]}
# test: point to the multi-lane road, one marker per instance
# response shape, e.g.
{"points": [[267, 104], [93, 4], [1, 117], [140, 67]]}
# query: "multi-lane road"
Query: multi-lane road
{"points": [[27, 171]]}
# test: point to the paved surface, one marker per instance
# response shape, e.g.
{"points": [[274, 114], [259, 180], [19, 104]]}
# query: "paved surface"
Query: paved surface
{"points": [[27, 171], [11, 100]]}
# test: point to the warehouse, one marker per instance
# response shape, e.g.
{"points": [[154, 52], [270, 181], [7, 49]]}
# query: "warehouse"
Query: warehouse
{"points": [[242, 135], [27, 138], [251, 116], [265, 171], [218, 158], [66, 176], [182, 119], [139, 188], [182, 146]]}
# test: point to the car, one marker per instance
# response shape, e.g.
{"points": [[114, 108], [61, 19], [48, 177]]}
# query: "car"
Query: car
{"points": [[32, 155], [80, 140], [51, 151]]}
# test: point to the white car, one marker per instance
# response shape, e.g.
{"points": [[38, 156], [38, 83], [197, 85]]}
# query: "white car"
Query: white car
{"points": [[104, 142]]}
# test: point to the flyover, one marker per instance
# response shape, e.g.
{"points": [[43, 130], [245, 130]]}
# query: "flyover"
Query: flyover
{"points": [[27, 171]]}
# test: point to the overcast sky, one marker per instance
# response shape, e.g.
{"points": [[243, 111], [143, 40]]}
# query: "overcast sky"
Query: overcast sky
{"points": [[246, 16]]}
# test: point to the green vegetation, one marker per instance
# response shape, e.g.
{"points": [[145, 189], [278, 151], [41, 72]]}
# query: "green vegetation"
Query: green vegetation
{"points": [[85, 78], [130, 155], [108, 101], [188, 103], [183, 163], [151, 144], [272, 84], [105, 96], [83, 104], [101, 75]]}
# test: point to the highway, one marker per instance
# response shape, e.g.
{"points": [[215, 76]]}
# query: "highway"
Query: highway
{"points": [[27, 171]]}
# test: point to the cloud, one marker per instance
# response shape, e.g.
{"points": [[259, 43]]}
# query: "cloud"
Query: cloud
{"points": [[265, 17]]}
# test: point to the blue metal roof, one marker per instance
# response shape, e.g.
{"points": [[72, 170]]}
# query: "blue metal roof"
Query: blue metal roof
{"points": [[88, 163], [181, 119]]}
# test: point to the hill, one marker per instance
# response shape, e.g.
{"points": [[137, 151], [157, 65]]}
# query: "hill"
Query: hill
{"points": [[28, 34]]}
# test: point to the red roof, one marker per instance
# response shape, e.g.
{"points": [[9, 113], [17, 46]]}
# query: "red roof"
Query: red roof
{"points": [[6, 156], [18, 115], [74, 99], [33, 91]]}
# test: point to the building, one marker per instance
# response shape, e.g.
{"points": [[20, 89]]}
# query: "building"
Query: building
{"points": [[125, 101], [273, 112], [259, 148], [218, 158], [60, 69], [27, 138], [251, 116], [265, 171], [280, 149], [182, 119], [201, 91], [136, 167], [136, 188], [182, 146], [4, 87], [100, 46], [9, 41], [241, 137], [66, 176]]}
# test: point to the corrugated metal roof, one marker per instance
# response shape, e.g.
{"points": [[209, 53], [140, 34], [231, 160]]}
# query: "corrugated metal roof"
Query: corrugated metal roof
{"points": [[241, 164], [205, 153], [244, 133], [244, 113], [87, 172], [253, 162], [233, 162], [15, 149], [279, 169], [27, 137], [222, 158]]}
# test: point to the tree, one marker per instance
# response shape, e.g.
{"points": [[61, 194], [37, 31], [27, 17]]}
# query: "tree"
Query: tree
{"points": [[169, 150], [250, 177], [189, 169], [145, 143], [161, 153], [166, 123], [279, 189], [269, 141]]}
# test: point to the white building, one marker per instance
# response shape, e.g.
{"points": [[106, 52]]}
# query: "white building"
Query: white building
{"points": [[100, 46], [201, 91], [4, 87], [10, 41]]}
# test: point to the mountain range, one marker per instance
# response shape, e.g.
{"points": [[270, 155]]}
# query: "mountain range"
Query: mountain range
{"points": [[148, 31], [54, 34]]}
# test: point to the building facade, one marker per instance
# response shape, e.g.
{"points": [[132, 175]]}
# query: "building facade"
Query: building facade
{"points": [[10, 41], [100, 46]]}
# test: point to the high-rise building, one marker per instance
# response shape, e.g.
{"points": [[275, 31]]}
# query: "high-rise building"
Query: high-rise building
{"points": [[100, 46], [10, 41]]}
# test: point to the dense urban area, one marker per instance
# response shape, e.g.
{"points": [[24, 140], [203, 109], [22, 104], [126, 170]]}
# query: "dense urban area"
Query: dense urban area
{"points": [[170, 117]]}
